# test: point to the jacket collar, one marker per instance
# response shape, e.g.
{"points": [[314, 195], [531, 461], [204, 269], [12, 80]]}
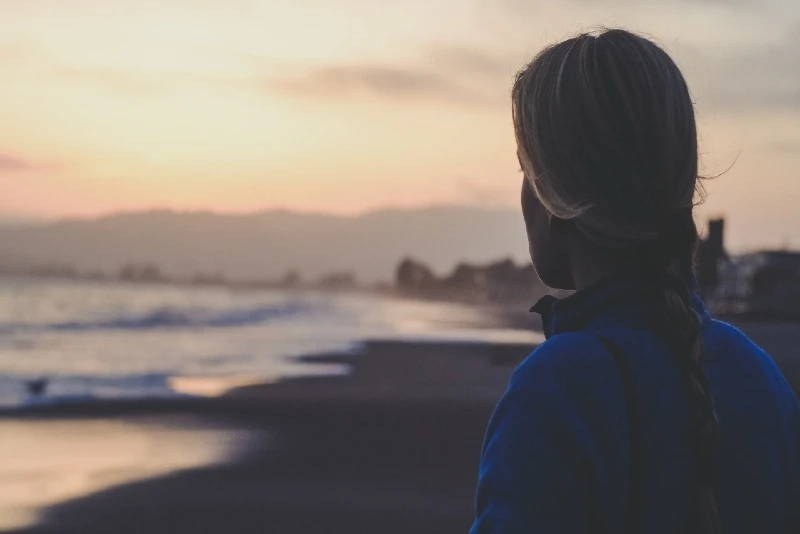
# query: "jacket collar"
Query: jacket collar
{"points": [[579, 309]]}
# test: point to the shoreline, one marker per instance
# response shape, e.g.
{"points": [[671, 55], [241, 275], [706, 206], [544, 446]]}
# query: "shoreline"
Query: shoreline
{"points": [[393, 447], [315, 373]]}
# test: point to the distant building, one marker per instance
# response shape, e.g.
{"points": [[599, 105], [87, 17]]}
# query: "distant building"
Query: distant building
{"points": [[764, 283], [711, 256], [761, 283]]}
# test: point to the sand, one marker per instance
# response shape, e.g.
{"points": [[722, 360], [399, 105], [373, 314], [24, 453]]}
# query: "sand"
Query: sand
{"points": [[392, 447], [51, 461]]}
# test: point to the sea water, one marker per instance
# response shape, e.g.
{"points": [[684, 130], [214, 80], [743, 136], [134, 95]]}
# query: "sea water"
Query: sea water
{"points": [[99, 340]]}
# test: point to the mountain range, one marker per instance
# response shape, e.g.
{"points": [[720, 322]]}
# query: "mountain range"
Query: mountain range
{"points": [[268, 244]]}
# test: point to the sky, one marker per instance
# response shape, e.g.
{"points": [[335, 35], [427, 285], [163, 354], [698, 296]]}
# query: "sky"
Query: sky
{"points": [[354, 105]]}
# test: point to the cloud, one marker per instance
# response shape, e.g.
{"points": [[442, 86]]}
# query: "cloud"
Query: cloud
{"points": [[752, 78], [445, 72], [441, 76], [388, 81], [12, 163]]}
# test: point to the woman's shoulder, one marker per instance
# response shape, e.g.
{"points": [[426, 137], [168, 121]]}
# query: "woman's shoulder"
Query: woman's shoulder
{"points": [[566, 382], [719, 332], [570, 359], [731, 350], [725, 339]]}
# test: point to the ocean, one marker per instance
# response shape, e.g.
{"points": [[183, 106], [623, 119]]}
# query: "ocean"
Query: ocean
{"points": [[104, 340]]}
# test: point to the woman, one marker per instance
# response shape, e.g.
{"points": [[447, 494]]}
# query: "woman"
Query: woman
{"points": [[640, 413]]}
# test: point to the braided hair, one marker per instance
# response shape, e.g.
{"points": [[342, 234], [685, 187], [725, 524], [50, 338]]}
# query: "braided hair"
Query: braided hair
{"points": [[607, 139], [670, 260]]}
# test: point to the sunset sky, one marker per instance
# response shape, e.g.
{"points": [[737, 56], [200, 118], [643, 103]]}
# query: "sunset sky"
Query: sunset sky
{"points": [[351, 105]]}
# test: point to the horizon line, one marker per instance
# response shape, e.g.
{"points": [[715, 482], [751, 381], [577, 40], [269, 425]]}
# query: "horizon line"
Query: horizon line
{"points": [[24, 219]]}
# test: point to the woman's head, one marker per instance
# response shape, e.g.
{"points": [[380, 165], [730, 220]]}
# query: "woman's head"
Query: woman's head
{"points": [[607, 142]]}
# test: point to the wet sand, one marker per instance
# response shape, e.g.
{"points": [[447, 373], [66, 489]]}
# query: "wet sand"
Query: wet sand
{"points": [[391, 448], [52, 461]]}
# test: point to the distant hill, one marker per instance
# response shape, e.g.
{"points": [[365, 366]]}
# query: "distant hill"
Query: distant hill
{"points": [[268, 244]]}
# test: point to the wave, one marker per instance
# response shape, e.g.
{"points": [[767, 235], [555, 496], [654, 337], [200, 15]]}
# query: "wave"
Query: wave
{"points": [[176, 318], [64, 388], [190, 318]]}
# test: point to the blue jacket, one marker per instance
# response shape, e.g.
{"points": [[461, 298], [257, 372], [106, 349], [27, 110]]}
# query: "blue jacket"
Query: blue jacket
{"points": [[556, 454]]}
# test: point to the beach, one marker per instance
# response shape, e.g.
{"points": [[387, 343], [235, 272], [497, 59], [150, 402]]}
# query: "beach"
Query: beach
{"points": [[393, 446]]}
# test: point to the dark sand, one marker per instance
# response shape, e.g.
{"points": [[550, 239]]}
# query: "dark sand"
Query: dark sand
{"points": [[393, 448]]}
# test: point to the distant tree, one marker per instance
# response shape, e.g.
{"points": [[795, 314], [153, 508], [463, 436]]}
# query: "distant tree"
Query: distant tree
{"points": [[503, 271], [291, 279], [151, 273], [208, 279], [56, 270], [381, 286], [132, 272], [414, 277], [95, 275], [128, 272], [466, 277], [342, 280]]}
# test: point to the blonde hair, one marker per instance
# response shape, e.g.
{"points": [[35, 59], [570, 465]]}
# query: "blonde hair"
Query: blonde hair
{"points": [[606, 137], [606, 134]]}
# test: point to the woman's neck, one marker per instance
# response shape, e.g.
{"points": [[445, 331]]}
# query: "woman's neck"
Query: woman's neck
{"points": [[590, 264]]}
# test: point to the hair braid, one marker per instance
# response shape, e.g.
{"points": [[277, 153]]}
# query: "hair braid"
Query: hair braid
{"points": [[682, 326]]}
